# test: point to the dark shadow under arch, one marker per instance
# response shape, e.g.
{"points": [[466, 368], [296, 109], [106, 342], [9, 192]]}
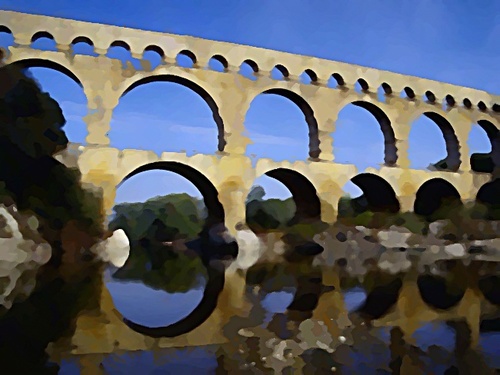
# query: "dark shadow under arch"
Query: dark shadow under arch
{"points": [[489, 195], [439, 293], [197, 89], [378, 194], [435, 194], [390, 149], [42, 63], [487, 162], [308, 205], [314, 145], [215, 267], [452, 161]]}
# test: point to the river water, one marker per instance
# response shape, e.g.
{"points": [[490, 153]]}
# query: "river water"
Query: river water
{"points": [[152, 307]]}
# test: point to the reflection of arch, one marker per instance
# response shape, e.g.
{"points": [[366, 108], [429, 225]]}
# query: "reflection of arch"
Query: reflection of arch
{"points": [[202, 183], [435, 194], [207, 305], [452, 160], [314, 150], [42, 63], [197, 89], [490, 288], [390, 150], [494, 156], [215, 268], [308, 205], [379, 194]]}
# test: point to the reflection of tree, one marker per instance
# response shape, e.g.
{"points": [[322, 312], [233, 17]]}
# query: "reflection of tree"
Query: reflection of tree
{"points": [[173, 218], [174, 272], [270, 214]]}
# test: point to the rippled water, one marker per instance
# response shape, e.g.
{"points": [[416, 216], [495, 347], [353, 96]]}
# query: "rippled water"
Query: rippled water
{"points": [[145, 305]]}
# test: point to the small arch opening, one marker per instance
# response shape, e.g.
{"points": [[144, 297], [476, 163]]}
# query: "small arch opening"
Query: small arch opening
{"points": [[44, 41], [279, 73], [450, 100], [186, 59], [361, 86], [482, 106], [430, 97], [6, 39], [120, 50], [308, 77], [153, 56], [408, 93], [467, 103], [218, 63], [249, 69], [387, 88], [336, 80], [83, 46]]}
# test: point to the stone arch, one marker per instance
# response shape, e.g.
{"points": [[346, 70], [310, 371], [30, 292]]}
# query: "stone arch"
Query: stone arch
{"points": [[435, 194], [210, 194], [307, 202], [493, 134], [215, 269], [43, 63], [390, 149], [452, 160], [301, 103], [194, 87], [378, 194]]}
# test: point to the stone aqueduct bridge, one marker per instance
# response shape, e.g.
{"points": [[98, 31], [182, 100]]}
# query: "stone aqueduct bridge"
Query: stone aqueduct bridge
{"points": [[228, 172]]}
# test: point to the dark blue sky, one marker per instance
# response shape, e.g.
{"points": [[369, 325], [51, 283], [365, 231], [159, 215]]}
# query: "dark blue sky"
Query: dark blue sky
{"points": [[442, 40]]}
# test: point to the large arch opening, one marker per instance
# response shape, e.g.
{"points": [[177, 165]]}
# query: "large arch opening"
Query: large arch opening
{"points": [[435, 198], [489, 159], [64, 87], [357, 129], [295, 201], [165, 209], [377, 196], [279, 129], [152, 112], [426, 143]]}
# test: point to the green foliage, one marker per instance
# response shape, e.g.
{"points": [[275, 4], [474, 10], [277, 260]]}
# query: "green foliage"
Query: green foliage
{"points": [[177, 216], [270, 214], [30, 119]]}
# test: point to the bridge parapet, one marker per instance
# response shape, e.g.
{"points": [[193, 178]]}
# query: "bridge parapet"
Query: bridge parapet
{"points": [[229, 95], [25, 27]]}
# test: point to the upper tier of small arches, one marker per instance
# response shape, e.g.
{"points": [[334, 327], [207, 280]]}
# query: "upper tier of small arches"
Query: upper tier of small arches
{"points": [[28, 28]]}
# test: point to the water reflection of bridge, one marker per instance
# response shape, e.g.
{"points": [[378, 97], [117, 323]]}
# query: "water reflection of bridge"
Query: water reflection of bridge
{"points": [[463, 296]]}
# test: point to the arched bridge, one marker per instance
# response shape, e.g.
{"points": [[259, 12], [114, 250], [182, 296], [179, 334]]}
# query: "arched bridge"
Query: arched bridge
{"points": [[228, 174]]}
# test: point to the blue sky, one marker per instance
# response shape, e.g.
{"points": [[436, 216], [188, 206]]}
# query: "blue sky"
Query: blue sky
{"points": [[451, 42]]}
